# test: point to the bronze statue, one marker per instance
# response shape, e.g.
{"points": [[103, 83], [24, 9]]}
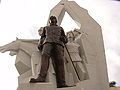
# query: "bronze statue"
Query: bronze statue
{"points": [[52, 43]]}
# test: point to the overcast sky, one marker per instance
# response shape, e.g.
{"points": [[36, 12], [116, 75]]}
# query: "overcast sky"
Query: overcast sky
{"points": [[23, 18]]}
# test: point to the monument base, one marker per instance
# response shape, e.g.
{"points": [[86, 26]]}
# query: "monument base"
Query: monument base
{"points": [[44, 86], [36, 86]]}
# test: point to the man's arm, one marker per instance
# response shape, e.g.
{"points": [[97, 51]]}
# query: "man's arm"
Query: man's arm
{"points": [[43, 36], [63, 36]]}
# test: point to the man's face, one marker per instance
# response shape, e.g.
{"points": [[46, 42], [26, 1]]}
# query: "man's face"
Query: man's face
{"points": [[53, 20]]}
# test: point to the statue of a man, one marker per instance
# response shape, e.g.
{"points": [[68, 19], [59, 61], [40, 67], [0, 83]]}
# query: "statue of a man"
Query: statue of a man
{"points": [[52, 43]]}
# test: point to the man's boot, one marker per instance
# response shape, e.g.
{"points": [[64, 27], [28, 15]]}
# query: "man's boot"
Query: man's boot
{"points": [[38, 79]]}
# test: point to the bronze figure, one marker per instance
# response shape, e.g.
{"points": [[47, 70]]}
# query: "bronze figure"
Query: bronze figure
{"points": [[52, 43]]}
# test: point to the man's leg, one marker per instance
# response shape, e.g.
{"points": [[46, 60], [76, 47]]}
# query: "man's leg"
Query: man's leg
{"points": [[59, 66], [43, 71], [44, 65]]}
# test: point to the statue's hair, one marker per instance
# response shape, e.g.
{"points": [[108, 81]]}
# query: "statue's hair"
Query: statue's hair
{"points": [[53, 17]]}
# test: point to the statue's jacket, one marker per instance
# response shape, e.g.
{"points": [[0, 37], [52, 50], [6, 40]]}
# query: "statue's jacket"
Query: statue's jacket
{"points": [[53, 34]]}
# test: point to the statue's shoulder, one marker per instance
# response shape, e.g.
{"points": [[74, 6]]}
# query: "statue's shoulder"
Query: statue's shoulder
{"points": [[60, 27], [45, 27]]}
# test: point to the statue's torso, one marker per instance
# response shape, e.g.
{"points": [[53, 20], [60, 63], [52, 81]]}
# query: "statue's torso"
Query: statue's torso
{"points": [[53, 34]]}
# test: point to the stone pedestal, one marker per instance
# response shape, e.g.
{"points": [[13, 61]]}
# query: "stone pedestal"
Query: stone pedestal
{"points": [[36, 86], [45, 86]]}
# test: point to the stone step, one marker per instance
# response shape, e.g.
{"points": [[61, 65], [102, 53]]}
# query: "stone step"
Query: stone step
{"points": [[70, 88], [45, 86], [36, 86]]}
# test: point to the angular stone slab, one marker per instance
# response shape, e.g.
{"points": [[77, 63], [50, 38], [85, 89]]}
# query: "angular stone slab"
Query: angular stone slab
{"points": [[22, 62]]}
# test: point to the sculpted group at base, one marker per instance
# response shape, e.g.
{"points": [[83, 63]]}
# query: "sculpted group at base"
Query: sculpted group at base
{"points": [[75, 61]]}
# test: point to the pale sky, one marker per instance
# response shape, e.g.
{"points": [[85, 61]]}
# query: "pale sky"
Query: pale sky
{"points": [[23, 18]]}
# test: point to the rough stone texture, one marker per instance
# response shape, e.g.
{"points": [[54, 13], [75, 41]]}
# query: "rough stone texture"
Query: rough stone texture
{"points": [[114, 88]]}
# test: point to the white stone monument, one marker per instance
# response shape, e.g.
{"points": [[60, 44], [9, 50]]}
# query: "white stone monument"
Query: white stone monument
{"points": [[85, 64]]}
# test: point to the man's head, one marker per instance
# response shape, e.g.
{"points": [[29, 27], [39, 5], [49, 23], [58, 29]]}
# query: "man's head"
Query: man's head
{"points": [[53, 20]]}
